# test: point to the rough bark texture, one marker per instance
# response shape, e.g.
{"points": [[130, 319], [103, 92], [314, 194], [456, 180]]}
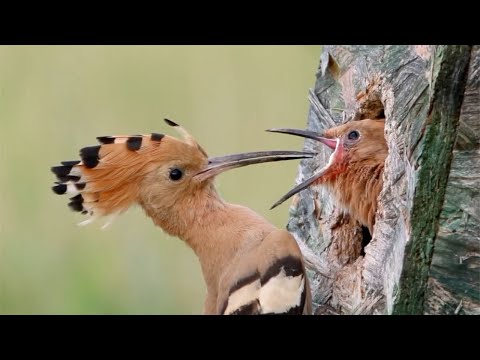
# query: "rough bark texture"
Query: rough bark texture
{"points": [[454, 283], [430, 204]]}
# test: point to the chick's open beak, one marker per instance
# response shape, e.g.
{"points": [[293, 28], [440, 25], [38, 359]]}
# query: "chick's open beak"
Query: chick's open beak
{"points": [[217, 165], [336, 158]]}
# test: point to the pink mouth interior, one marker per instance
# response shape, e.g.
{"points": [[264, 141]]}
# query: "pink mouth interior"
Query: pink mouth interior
{"points": [[335, 158]]}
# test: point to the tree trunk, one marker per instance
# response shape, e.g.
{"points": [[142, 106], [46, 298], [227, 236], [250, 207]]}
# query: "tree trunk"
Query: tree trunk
{"points": [[424, 253]]}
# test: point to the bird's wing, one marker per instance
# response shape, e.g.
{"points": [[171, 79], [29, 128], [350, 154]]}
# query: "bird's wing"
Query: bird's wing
{"points": [[106, 179], [268, 279]]}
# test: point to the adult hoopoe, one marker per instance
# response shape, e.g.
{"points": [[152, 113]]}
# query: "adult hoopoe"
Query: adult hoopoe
{"points": [[249, 266], [354, 172]]}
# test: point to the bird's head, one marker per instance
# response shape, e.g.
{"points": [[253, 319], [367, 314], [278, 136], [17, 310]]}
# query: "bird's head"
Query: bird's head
{"points": [[184, 169], [359, 143], [157, 171]]}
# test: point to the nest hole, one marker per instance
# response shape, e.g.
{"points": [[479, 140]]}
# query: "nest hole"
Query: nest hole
{"points": [[369, 102], [366, 237]]}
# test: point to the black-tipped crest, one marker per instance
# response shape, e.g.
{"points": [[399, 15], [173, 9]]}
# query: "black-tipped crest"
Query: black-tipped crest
{"points": [[105, 140], [156, 137], [70, 163], [134, 143], [77, 198], [59, 189], [80, 186], [89, 156], [61, 171], [76, 203], [170, 122], [73, 178], [67, 178]]}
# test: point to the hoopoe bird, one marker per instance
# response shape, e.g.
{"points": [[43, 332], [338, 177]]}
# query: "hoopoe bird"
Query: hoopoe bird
{"points": [[354, 172], [249, 266]]}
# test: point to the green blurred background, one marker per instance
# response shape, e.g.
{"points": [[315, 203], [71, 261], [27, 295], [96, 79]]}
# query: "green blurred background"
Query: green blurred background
{"points": [[56, 99]]}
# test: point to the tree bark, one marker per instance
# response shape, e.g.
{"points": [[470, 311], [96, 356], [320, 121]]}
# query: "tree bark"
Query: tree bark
{"points": [[424, 253]]}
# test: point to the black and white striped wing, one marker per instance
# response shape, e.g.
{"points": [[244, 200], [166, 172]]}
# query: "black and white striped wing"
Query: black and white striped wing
{"points": [[271, 281]]}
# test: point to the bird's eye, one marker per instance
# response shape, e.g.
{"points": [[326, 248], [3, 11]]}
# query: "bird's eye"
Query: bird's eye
{"points": [[176, 174], [353, 135]]}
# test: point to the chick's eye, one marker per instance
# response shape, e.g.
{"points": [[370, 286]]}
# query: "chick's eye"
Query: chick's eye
{"points": [[176, 174], [353, 135]]}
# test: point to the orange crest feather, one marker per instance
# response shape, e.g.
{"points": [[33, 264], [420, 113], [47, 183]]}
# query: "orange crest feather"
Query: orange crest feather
{"points": [[107, 179]]}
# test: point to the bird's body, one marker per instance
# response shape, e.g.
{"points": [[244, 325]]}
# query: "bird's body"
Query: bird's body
{"points": [[234, 245], [354, 173], [249, 266]]}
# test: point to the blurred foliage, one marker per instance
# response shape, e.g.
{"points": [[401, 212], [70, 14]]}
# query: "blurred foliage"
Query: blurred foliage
{"points": [[56, 99]]}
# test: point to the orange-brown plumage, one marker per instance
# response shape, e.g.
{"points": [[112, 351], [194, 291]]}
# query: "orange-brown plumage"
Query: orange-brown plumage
{"points": [[355, 170], [249, 266]]}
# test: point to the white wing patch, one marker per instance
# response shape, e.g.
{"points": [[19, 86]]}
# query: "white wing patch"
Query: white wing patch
{"points": [[280, 290], [243, 296], [281, 293]]}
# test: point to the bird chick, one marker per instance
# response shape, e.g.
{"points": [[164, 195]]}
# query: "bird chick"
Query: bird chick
{"points": [[354, 172], [249, 266]]}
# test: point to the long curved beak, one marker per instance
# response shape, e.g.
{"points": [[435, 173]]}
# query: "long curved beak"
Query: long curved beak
{"points": [[300, 187], [335, 158], [331, 143], [217, 165]]}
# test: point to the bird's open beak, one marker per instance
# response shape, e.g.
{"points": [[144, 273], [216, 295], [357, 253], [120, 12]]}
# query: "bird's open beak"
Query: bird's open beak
{"points": [[335, 158], [220, 164]]}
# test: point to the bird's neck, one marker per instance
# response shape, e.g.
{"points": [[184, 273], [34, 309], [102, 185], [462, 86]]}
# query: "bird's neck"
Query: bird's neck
{"points": [[357, 189], [187, 214], [216, 231]]}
